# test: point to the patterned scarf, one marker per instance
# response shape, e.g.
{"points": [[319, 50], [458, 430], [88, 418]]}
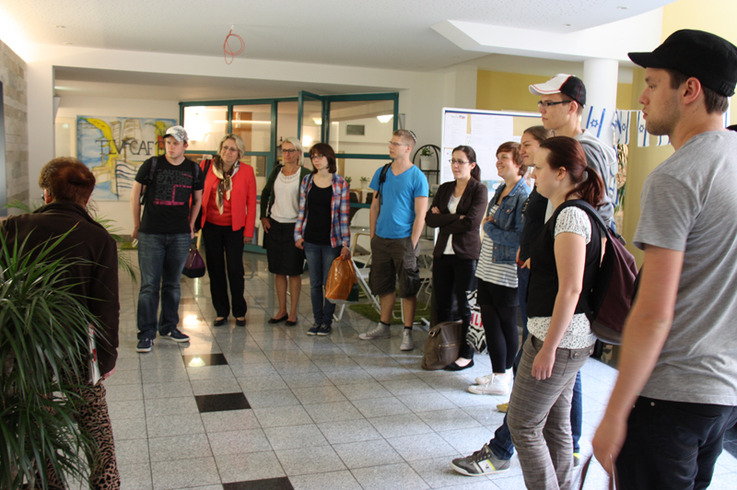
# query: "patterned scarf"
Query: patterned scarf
{"points": [[226, 183]]}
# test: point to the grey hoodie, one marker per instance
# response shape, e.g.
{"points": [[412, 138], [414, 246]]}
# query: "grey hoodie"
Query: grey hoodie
{"points": [[603, 159]]}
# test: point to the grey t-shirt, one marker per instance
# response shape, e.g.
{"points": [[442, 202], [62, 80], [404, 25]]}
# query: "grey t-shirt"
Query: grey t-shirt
{"points": [[689, 203], [603, 159]]}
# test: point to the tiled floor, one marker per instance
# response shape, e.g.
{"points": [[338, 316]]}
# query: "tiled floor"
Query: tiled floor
{"points": [[269, 407]]}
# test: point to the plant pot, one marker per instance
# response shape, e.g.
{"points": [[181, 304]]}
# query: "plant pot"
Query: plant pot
{"points": [[427, 162]]}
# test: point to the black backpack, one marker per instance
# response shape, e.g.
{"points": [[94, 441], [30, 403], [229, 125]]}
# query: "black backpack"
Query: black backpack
{"points": [[614, 288]]}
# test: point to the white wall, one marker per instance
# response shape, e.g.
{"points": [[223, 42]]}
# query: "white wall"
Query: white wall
{"points": [[422, 94], [71, 106]]}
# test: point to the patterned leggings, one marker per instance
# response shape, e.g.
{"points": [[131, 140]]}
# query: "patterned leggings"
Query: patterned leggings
{"points": [[93, 419]]}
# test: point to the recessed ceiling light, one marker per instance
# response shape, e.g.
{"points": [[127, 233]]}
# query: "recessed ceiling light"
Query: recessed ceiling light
{"points": [[622, 7], [61, 27]]}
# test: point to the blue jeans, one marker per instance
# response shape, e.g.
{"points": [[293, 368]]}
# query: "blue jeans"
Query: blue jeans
{"points": [[319, 260], [161, 259], [501, 445], [672, 444]]}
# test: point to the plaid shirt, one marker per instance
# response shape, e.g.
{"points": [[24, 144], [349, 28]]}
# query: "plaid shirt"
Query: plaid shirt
{"points": [[340, 233]]}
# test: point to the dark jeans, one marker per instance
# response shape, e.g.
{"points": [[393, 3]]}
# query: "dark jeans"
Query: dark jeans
{"points": [[672, 445], [161, 260], [452, 277], [223, 245], [501, 445], [319, 260]]}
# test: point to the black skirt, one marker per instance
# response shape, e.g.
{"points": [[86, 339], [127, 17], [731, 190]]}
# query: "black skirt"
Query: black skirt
{"points": [[283, 257]]}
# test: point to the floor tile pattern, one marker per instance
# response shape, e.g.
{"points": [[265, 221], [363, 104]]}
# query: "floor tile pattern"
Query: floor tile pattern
{"points": [[269, 407]]}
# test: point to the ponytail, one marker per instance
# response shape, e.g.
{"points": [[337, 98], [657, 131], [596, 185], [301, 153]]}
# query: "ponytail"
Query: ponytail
{"points": [[476, 172], [591, 188]]}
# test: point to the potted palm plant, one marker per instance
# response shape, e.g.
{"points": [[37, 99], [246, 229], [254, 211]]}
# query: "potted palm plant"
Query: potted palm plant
{"points": [[43, 342]]}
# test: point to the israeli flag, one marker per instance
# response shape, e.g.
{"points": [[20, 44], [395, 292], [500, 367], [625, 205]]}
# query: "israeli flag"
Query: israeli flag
{"points": [[643, 138], [621, 127], [596, 120]]}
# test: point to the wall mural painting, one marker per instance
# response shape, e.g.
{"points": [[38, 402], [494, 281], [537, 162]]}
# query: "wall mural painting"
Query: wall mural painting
{"points": [[114, 148]]}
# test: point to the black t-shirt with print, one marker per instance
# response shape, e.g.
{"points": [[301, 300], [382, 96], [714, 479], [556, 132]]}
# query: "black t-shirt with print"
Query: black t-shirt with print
{"points": [[167, 201]]}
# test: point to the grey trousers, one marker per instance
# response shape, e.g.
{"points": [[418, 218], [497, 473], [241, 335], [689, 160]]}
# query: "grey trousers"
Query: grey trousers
{"points": [[539, 417]]}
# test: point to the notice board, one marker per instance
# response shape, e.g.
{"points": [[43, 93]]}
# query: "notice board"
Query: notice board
{"points": [[484, 131]]}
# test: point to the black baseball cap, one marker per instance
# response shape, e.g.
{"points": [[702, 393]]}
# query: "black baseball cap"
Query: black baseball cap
{"points": [[700, 54], [564, 84]]}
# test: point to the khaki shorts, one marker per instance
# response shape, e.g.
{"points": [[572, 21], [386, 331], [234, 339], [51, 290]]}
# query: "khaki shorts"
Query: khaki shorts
{"points": [[394, 267]]}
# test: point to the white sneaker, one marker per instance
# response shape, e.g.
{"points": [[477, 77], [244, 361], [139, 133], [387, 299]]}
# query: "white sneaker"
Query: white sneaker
{"points": [[500, 385], [380, 332], [407, 342], [484, 380]]}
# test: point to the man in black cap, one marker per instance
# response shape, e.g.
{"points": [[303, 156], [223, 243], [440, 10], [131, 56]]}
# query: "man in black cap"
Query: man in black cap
{"points": [[676, 393]]}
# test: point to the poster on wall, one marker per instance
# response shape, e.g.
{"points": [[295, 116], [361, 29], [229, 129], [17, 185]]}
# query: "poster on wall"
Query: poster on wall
{"points": [[114, 148]]}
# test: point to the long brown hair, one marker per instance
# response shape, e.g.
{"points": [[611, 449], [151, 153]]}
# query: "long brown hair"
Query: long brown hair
{"points": [[568, 153]]}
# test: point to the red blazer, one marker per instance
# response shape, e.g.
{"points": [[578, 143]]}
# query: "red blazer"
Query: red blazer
{"points": [[242, 197]]}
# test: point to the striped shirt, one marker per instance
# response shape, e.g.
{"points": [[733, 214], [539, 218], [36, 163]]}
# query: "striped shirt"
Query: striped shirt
{"points": [[489, 271]]}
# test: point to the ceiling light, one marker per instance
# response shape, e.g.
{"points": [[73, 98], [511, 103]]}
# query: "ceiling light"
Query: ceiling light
{"points": [[317, 120], [385, 118]]}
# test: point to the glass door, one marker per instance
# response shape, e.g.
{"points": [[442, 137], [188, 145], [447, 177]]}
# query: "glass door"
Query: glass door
{"points": [[311, 119]]}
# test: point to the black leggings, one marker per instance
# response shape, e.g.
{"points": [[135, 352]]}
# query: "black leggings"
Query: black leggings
{"points": [[498, 306]]}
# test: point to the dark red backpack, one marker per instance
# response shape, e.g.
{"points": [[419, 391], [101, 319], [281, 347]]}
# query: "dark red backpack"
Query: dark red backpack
{"points": [[614, 288]]}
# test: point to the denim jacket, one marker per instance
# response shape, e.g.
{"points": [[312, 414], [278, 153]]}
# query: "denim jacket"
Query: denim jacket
{"points": [[505, 228]]}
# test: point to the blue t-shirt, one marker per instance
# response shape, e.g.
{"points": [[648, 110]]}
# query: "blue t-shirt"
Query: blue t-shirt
{"points": [[397, 213]]}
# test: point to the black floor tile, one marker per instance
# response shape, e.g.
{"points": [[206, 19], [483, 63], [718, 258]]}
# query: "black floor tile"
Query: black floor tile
{"points": [[222, 402], [206, 360], [282, 483]]}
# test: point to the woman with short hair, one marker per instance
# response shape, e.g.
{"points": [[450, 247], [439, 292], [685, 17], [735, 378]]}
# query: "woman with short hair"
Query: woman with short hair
{"points": [[279, 211], [323, 229], [228, 217]]}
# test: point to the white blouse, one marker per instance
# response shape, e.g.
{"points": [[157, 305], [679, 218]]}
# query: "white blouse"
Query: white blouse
{"points": [[286, 198], [578, 334]]}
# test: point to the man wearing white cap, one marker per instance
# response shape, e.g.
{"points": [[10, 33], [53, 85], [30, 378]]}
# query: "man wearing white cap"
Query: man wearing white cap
{"points": [[169, 183], [561, 103], [676, 393]]}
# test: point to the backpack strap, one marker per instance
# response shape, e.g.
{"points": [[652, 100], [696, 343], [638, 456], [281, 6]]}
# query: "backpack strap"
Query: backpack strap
{"points": [[149, 179], [382, 179]]}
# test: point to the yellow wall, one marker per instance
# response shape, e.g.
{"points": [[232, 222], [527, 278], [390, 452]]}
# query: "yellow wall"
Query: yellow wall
{"points": [[499, 91], [717, 16]]}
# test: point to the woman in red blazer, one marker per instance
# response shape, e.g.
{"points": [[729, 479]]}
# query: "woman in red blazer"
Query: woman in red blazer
{"points": [[228, 216]]}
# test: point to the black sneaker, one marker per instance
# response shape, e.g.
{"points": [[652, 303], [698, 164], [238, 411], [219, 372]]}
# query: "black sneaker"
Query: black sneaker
{"points": [[314, 329], [482, 462], [324, 330], [176, 336], [144, 345]]}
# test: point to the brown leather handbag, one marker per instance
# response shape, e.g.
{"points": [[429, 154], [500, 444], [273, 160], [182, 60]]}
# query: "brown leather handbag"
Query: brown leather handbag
{"points": [[442, 346]]}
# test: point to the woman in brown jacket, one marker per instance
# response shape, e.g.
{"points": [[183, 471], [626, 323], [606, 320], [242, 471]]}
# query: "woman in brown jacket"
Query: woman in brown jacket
{"points": [[457, 210]]}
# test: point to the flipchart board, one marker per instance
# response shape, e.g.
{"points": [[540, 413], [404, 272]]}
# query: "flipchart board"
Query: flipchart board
{"points": [[484, 131]]}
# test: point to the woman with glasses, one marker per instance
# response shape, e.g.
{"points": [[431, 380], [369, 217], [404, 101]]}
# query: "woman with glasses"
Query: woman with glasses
{"points": [[322, 229], [497, 271], [228, 218], [279, 210], [456, 211]]}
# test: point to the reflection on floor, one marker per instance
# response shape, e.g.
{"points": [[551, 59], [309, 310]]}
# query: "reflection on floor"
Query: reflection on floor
{"points": [[267, 406]]}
